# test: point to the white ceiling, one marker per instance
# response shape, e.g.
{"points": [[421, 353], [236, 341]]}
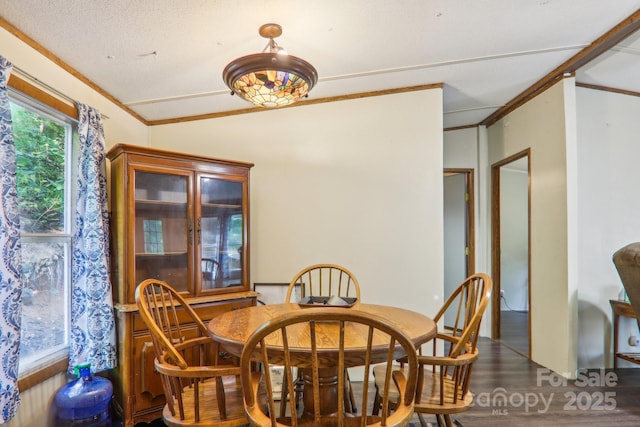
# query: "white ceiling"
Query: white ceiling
{"points": [[163, 59]]}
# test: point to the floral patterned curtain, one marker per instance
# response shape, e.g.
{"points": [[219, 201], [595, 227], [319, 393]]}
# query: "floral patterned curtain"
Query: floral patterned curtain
{"points": [[92, 317], [10, 270]]}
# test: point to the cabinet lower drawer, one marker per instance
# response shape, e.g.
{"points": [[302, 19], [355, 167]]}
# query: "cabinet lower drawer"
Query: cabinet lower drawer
{"points": [[146, 381]]}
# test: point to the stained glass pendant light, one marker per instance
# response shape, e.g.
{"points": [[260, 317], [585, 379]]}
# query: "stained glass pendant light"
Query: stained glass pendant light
{"points": [[271, 78]]}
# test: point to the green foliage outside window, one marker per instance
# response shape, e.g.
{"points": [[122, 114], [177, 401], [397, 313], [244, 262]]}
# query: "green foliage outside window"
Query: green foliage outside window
{"points": [[40, 157], [235, 232]]}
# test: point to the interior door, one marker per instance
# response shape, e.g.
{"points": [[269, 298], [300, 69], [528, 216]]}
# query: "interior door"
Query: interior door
{"points": [[459, 247], [511, 249]]}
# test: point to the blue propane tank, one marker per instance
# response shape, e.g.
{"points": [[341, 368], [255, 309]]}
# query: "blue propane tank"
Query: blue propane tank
{"points": [[84, 402]]}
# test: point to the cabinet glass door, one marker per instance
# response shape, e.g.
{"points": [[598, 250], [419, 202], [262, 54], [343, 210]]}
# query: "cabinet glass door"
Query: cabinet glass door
{"points": [[221, 233], [162, 229]]}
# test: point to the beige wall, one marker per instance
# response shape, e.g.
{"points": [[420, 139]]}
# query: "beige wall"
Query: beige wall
{"points": [[120, 126], [608, 129], [357, 183], [36, 407], [543, 124], [460, 148]]}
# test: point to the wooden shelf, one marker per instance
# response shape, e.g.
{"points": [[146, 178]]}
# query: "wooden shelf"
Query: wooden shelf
{"points": [[159, 254], [624, 309], [220, 206], [160, 202], [630, 357]]}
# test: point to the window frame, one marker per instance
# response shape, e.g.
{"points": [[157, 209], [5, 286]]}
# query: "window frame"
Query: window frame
{"points": [[24, 92]]}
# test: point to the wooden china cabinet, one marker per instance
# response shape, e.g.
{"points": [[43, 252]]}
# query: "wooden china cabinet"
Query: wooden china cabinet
{"points": [[183, 219]]}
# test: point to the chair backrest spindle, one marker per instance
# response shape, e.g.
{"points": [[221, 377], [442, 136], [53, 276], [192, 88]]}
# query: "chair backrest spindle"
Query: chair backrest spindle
{"points": [[327, 331]]}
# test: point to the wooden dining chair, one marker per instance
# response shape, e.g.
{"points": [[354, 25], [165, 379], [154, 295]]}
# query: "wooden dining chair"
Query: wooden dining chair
{"points": [[371, 339], [211, 273], [322, 280], [627, 263], [199, 389], [443, 376]]}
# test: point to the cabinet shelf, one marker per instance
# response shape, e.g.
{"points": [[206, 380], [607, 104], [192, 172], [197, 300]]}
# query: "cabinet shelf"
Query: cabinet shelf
{"points": [[159, 254], [160, 202], [221, 206], [159, 208]]}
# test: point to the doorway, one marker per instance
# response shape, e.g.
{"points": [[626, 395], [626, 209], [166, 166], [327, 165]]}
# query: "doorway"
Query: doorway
{"points": [[511, 248], [459, 242]]}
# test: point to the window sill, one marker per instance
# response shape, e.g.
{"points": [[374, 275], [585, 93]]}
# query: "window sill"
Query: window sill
{"points": [[42, 374]]}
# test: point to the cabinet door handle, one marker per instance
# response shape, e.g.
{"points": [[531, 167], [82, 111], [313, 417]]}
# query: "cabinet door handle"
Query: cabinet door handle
{"points": [[190, 233], [199, 230]]}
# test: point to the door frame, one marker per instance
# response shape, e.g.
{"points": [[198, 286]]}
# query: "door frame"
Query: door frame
{"points": [[470, 217], [495, 241]]}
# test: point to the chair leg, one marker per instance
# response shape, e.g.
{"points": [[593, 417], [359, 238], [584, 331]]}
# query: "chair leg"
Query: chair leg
{"points": [[376, 404], [351, 404], [298, 389], [293, 396], [284, 395], [423, 422], [442, 422]]}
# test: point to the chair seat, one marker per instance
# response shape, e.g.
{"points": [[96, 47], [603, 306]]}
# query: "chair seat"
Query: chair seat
{"points": [[429, 402], [349, 421], [209, 414], [378, 375]]}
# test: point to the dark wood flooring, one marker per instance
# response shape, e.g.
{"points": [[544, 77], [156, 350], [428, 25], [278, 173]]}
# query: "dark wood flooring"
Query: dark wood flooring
{"points": [[511, 390], [514, 330]]}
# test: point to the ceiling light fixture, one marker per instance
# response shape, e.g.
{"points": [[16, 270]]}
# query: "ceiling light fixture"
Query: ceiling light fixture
{"points": [[273, 78]]}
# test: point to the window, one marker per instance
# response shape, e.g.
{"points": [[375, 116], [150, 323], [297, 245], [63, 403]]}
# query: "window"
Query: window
{"points": [[44, 145], [234, 243], [153, 241]]}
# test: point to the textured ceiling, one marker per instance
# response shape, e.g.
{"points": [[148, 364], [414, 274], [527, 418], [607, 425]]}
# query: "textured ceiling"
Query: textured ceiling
{"points": [[163, 59]]}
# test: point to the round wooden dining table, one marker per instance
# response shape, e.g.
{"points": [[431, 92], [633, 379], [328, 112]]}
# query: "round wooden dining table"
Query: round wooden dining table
{"points": [[232, 330]]}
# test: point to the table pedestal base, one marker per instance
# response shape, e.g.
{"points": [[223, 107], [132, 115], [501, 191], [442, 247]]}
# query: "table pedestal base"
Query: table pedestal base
{"points": [[328, 385]]}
